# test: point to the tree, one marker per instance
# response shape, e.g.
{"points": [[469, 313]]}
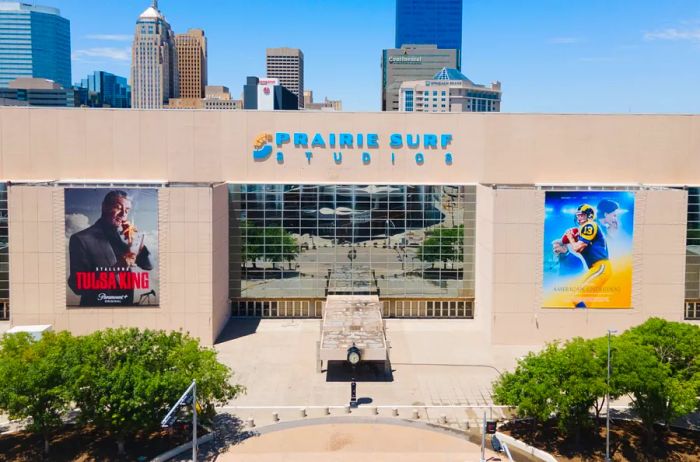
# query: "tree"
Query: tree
{"points": [[531, 387], [658, 366], [656, 363], [128, 379], [581, 380], [33, 379], [279, 245], [252, 242], [443, 244], [563, 380], [273, 244]]}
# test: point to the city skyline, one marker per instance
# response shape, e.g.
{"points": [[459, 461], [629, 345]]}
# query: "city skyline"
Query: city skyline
{"points": [[34, 43], [551, 57]]}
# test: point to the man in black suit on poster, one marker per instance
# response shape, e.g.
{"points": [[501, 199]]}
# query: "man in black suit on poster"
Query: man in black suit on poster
{"points": [[106, 252]]}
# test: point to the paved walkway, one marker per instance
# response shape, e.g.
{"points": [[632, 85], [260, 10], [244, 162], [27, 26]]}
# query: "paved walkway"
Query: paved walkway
{"points": [[434, 363], [353, 442]]}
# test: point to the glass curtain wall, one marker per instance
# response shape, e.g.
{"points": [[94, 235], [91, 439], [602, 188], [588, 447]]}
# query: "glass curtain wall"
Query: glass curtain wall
{"points": [[692, 256], [4, 257], [309, 241]]}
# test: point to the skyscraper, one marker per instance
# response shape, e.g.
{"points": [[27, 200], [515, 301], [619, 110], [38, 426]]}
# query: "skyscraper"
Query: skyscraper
{"points": [[103, 89], [34, 42], [192, 63], [154, 76], [430, 22], [419, 62], [287, 65]]}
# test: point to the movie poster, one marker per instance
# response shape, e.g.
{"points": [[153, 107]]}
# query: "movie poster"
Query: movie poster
{"points": [[111, 247], [588, 249]]}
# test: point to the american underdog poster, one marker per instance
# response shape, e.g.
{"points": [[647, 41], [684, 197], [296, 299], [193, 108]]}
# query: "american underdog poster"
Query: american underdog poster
{"points": [[112, 247], [588, 238]]}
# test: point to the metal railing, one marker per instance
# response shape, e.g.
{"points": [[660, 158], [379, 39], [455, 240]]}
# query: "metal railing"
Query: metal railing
{"points": [[277, 308], [428, 308], [452, 308], [449, 415]]}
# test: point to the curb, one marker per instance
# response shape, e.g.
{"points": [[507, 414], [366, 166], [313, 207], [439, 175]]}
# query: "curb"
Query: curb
{"points": [[423, 425], [183, 447], [527, 449]]}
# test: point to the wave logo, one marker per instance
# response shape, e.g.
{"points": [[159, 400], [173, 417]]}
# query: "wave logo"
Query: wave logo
{"points": [[261, 148]]}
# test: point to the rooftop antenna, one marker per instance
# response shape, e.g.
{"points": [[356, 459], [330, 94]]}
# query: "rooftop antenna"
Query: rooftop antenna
{"points": [[155, 4]]}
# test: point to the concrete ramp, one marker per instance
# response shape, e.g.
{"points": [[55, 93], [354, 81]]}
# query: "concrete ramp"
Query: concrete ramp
{"points": [[349, 319]]}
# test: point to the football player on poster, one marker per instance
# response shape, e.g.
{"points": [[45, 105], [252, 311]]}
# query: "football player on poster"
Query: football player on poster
{"points": [[601, 239]]}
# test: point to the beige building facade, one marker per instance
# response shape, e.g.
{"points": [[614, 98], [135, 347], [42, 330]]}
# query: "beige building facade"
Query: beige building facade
{"points": [[207, 165], [325, 105], [449, 91]]}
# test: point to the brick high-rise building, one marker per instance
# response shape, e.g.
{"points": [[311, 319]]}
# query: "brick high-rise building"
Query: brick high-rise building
{"points": [[287, 65], [192, 63]]}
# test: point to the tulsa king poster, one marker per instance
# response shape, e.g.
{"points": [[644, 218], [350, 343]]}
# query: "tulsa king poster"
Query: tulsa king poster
{"points": [[588, 249], [111, 247]]}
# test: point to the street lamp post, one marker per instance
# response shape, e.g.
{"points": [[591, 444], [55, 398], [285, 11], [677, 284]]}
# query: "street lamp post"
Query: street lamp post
{"points": [[607, 404], [194, 421]]}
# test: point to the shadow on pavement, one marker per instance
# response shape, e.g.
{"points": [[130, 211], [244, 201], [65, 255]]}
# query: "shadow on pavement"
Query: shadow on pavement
{"points": [[366, 371], [237, 328], [228, 431]]}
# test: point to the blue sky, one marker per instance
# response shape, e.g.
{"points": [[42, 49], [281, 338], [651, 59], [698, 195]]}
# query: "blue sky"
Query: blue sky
{"points": [[558, 56]]}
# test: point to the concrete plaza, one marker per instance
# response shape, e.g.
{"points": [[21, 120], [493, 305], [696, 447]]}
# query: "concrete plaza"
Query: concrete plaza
{"points": [[441, 368], [354, 441]]}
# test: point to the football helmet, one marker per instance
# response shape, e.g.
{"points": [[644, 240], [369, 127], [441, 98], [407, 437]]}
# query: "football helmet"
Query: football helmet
{"points": [[587, 210]]}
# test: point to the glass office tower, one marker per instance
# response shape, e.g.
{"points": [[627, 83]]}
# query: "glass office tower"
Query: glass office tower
{"points": [[430, 22], [34, 42], [103, 89]]}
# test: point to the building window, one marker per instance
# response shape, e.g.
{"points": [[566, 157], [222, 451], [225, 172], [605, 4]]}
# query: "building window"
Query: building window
{"points": [[291, 241], [4, 257], [408, 96], [692, 256]]}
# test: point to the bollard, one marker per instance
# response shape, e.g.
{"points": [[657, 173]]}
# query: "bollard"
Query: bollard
{"points": [[302, 412], [275, 417], [375, 410], [443, 419], [347, 409], [251, 422], [414, 414], [395, 412], [326, 411]]}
